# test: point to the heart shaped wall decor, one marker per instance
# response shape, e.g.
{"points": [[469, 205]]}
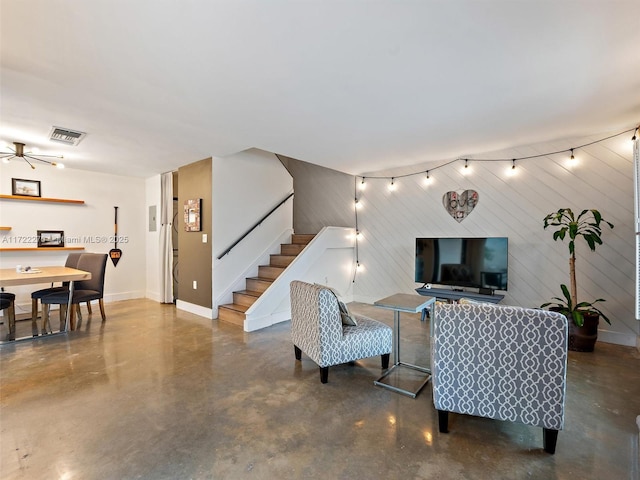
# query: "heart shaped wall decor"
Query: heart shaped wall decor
{"points": [[459, 205]]}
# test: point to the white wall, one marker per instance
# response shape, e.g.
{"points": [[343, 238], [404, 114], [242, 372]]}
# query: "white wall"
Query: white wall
{"points": [[245, 187], [100, 192], [514, 207], [153, 197]]}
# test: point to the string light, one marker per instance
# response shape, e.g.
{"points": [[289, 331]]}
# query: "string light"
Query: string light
{"points": [[466, 168]]}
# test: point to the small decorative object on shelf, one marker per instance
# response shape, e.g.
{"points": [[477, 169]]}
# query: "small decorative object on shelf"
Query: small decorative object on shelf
{"points": [[192, 215], [25, 188], [50, 238]]}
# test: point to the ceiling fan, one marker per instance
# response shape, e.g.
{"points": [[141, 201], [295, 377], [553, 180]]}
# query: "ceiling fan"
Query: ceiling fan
{"points": [[26, 156]]}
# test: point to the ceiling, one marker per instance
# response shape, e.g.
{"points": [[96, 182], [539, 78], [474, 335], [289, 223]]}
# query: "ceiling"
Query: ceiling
{"points": [[358, 86]]}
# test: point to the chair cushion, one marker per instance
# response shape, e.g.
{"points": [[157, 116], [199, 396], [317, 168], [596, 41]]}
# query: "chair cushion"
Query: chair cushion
{"points": [[38, 294], [345, 315], [79, 296], [7, 296]]}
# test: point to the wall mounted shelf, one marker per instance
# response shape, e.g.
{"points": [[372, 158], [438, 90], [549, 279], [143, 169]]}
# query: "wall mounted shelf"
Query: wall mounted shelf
{"points": [[41, 199], [36, 249]]}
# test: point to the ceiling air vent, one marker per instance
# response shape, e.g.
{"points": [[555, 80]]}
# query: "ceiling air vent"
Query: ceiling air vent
{"points": [[66, 136]]}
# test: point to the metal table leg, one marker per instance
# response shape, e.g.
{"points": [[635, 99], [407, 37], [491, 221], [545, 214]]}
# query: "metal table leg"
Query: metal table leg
{"points": [[397, 363]]}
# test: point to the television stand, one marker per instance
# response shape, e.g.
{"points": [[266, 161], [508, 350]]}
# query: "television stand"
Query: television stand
{"points": [[449, 294]]}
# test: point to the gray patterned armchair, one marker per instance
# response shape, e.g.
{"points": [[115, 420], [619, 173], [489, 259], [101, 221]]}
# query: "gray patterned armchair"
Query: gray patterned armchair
{"points": [[317, 330], [501, 362]]}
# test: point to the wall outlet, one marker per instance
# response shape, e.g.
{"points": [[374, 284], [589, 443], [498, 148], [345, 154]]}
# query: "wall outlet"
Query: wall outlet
{"points": [[204, 238], [195, 284]]}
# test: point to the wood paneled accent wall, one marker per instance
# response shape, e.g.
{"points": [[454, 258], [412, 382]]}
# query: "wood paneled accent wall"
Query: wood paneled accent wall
{"points": [[511, 206]]}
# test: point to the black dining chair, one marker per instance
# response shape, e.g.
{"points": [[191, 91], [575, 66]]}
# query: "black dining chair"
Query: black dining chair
{"points": [[72, 262], [8, 303], [84, 290]]}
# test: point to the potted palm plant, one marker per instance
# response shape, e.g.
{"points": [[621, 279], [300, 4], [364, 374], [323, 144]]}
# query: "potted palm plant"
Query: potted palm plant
{"points": [[583, 316]]}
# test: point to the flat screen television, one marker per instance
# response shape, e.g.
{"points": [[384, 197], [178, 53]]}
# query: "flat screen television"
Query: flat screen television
{"points": [[463, 262]]}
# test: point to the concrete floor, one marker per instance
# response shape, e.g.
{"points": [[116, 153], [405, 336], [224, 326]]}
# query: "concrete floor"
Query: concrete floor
{"points": [[158, 394]]}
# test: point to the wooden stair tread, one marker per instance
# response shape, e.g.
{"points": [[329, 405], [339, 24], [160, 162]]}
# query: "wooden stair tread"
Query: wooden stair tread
{"points": [[251, 293], [271, 267], [301, 238], [235, 306], [261, 279], [279, 255], [291, 248]]}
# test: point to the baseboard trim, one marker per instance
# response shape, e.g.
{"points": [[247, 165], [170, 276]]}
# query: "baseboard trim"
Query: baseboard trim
{"points": [[155, 296], [116, 297], [617, 338], [195, 309]]}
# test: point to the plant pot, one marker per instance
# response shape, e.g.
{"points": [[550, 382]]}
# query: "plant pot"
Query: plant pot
{"points": [[583, 339]]}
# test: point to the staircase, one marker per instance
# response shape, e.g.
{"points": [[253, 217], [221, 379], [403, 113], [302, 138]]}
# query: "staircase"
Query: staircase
{"points": [[255, 286]]}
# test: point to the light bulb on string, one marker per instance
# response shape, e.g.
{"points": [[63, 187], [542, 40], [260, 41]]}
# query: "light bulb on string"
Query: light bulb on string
{"points": [[633, 139], [572, 159], [362, 185], [512, 170], [466, 170], [392, 185], [427, 178], [357, 204]]}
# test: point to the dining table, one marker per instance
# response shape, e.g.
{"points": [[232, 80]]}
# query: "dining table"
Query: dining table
{"points": [[36, 275]]}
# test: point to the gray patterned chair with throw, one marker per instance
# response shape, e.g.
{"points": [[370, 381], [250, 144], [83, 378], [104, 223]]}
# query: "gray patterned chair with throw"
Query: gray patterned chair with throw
{"points": [[500, 362], [317, 329]]}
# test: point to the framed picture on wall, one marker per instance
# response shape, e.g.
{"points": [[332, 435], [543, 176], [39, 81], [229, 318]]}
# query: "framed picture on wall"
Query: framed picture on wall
{"points": [[50, 238], [192, 215], [25, 188]]}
